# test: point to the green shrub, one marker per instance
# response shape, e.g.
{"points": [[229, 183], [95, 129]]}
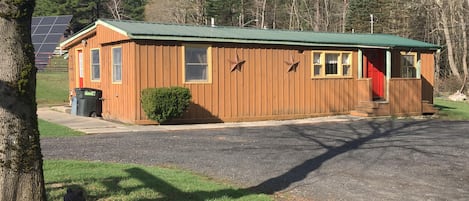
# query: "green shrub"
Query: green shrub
{"points": [[162, 104]]}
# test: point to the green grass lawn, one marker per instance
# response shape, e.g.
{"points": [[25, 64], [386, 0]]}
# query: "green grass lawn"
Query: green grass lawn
{"points": [[52, 88], [109, 181], [48, 129], [451, 109]]}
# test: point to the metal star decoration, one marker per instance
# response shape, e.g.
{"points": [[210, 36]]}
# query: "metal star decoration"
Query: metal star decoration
{"points": [[237, 63], [292, 63]]}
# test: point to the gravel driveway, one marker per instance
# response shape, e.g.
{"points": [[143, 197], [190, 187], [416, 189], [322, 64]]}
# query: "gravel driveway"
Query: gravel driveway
{"points": [[360, 160]]}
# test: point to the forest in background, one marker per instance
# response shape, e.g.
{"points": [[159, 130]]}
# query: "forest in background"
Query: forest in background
{"points": [[441, 22]]}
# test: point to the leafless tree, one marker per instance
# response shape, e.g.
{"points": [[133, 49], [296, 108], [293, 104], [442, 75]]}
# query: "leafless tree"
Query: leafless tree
{"points": [[115, 8]]}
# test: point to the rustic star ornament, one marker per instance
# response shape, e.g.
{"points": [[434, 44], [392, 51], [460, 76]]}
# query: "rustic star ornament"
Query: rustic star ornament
{"points": [[237, 63], [292, 63]]}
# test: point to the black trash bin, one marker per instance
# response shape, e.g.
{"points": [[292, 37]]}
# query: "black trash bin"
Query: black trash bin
{"points": [[89, 102]]}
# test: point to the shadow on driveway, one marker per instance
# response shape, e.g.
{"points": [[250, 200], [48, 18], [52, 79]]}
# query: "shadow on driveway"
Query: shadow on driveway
{"points": [[363, 160]]}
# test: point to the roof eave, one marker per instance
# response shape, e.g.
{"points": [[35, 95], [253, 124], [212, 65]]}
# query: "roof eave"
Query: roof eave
{"points": [[66, 44], [69, 41], [266, 42], [429, 48]]}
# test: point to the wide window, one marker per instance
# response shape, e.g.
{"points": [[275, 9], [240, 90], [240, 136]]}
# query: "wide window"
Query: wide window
{"points": [[117, 64], [95, 67], [196, 63], [331, 64], [408, 67]]}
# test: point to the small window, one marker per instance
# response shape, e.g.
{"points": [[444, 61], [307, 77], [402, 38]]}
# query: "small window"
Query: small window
{"points": [[331, 64], [408, 69], [346, 64], [117, 64], [317, 64], [196, 65], [95, 66]]}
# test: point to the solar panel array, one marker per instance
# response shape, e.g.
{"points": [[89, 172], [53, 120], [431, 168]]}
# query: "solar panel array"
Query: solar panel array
{"points": [[46, 33]]}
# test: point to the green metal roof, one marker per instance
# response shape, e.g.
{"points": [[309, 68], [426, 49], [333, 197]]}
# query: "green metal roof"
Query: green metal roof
{"points": [[154, 31]]}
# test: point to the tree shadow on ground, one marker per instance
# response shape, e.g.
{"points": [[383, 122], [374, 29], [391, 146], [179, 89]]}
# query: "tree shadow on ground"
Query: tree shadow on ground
{"points": [[364, 135], [165, 191]]}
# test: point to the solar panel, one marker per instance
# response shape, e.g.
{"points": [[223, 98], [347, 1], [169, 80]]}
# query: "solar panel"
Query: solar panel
{"points": [[48, 20], [58, 29], [35, 21], [42, 29], [65, 19], [46, 33], [52, 38]]}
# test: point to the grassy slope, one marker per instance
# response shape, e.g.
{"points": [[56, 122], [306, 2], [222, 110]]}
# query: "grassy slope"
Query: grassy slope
{"points": [[52, 88], [48, 129], [108, 181], [452, 110]]}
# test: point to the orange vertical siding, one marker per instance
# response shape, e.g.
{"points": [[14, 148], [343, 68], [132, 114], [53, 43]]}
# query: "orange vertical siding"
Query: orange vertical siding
{"points": [[428, 76], [262, 89], [119, 102], [405, 96], [364, 90]]}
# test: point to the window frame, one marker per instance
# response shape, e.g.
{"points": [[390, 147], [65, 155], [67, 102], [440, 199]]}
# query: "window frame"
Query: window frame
{"points": [[209, 63], [322, 64], [114, 80], [92, 75], [414, 62]]}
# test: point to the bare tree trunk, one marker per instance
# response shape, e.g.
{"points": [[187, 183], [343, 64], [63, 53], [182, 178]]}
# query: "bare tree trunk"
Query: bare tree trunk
{"points": [[309, 17], [326, 14], [344, 15], [274, 20], [297, 16], [21, 176], [292, 15], [464, 51], [241, 14], [449, 41], [263, 14], [317, 16]]}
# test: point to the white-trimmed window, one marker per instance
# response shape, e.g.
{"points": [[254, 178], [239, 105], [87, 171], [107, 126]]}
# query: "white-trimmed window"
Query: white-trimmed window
{"points": [[117, 64], [331, 64], [197, 64], [95, 65], [408, 65]]}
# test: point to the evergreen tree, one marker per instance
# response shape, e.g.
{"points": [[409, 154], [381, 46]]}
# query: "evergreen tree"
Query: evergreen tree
{"points": [[135, 9], [358, 16], [224, 11]]}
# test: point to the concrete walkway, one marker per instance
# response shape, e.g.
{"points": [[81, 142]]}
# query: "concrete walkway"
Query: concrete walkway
{"points": [[88, 125]]}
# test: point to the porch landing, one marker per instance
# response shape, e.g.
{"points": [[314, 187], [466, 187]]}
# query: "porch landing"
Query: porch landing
{"points": [[383, 108]]}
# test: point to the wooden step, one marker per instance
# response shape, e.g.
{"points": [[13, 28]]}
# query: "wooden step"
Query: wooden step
{"points": [[368, 104], [428, 108], [359, 113], [365, 109], [371, 109]]}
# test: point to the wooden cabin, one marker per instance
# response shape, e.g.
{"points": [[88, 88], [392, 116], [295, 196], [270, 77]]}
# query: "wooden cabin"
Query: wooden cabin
{"points": [[241, 74]]}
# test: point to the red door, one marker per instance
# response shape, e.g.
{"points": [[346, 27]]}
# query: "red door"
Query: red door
{"points": [[375, 71]]}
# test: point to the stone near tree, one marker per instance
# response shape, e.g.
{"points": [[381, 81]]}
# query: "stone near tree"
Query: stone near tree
{"points": [[458, 96]]}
